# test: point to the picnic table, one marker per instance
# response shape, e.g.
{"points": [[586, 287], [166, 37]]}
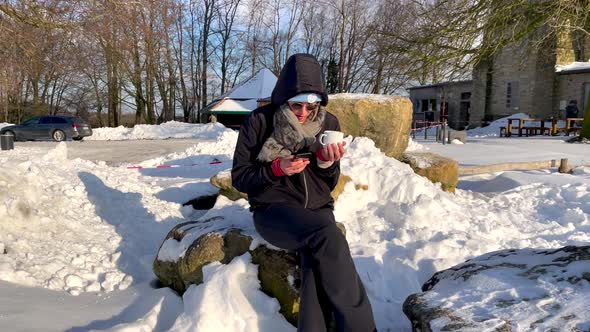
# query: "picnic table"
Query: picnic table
{"points": [[568, 125], [547, 126], [552, 129]]}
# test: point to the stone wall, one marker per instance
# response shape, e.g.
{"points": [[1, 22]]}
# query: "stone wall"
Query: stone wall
{"points": [[532, 68], [478, 96], [452, 94], [532, 77], [570, 86]]}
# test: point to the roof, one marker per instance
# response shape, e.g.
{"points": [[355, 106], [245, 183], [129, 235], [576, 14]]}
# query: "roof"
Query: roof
{"points": [[573, 68], [243, 96], [234, 106], [258, 86], [440, 84]]}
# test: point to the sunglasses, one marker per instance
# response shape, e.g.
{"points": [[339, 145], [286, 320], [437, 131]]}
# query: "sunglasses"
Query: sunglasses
{"points": [[299, 106]]}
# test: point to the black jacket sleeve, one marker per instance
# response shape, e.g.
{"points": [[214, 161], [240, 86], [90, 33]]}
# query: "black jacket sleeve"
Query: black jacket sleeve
{"points": [[331, 174], [248, 174]]}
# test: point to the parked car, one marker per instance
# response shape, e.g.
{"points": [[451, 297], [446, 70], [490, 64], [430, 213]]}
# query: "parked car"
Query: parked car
{"points": [[56, 127]]}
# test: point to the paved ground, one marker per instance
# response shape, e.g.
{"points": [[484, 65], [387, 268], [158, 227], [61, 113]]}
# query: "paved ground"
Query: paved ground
{"points": [[114, 152]]}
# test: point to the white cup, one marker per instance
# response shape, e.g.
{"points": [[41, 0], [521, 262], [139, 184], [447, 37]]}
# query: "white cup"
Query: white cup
{"points": [[331, 137]]}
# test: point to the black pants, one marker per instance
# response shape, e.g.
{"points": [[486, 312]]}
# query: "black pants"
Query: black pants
{"points": [[330, 283]]}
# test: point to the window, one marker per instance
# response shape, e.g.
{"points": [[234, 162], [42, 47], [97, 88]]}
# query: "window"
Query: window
{"points": [[45, 120], [59, 120], [32, 121], [508, 95], [512, 96], [465, 95], [424, 105]]}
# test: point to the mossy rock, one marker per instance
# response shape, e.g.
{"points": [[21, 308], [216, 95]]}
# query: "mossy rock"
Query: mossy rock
{"points": [[279, 277], [437, 169], [278, 270], [222, 180], [387, 120], [208, 248]]}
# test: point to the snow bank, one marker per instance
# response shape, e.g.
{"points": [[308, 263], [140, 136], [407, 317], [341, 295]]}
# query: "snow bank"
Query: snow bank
{"points": [[230, 300], [171, 129], [404, 228], [414, 146], [493, 129], [79, 226], [75, 225], [374, 97]]}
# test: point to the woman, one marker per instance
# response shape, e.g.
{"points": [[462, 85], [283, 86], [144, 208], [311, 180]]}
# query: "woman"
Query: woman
{"points": [[290, 197]]}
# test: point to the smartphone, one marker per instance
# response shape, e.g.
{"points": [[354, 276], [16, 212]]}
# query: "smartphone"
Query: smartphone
{"points": [[303, 155]]}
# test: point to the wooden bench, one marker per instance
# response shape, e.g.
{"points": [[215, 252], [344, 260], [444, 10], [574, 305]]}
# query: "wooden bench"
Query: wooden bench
{"points": [[532, 131]]}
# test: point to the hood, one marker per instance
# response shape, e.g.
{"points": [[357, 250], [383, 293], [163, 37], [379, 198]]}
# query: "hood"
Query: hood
{"points": [[301, 74]]}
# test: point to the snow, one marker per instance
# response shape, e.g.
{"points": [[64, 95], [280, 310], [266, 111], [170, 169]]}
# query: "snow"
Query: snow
{"points": [[80, 236], [373, 97], [236, 105], [171, 129], [572, 66], [501, 289], [230, 300], [258, 86]]}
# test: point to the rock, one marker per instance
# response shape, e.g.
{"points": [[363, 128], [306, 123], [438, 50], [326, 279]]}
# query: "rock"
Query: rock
{"points": [[342, 181], [222, 180], [186, 269], [278, 273], [532, 289], [386, 120], [435, 168], [278, 270]]}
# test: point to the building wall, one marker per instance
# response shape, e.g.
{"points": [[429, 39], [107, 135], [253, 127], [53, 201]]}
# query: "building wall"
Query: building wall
{"points": [[478, 97], [529, 71], [452, 95], [449, 93], [571, 87], [417, 95]]}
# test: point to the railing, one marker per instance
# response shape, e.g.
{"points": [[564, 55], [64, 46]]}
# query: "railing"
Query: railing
{"points": [[441, 129]]}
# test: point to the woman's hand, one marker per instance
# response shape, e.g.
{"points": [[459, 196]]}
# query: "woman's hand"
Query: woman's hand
{"points": [[291, 166], [333, 152]]}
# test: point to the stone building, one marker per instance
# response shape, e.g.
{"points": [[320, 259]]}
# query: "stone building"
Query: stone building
{"points": [[450, 101], [524, 77]]}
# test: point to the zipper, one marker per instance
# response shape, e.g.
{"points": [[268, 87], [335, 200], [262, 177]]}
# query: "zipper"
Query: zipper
{"points": [[305, 186]]}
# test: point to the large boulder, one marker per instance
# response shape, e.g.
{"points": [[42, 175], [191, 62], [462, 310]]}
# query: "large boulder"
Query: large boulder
{"points": [[187, 248], [181, 257], [386, 120], [525, 289], [222, 180], [437, 169]]}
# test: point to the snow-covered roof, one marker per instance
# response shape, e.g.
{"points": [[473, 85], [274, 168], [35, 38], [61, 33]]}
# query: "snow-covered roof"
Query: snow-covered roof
{"points": [[258, 86], [573, 67], [243, 97], [230, 105]]}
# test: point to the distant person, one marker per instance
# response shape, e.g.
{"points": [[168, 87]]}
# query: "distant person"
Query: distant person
{"points": [[290, 197], [572, 111]]}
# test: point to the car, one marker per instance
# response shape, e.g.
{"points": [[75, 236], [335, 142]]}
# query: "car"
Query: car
{"points": [[56, 127]]}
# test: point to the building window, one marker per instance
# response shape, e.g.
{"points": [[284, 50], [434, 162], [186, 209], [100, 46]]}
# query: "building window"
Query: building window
{"points": [[512, 96], [508, 94], [465, 95]]}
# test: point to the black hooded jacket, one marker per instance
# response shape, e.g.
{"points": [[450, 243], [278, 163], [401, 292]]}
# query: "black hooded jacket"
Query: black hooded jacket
{"points": [[310, 188]]}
